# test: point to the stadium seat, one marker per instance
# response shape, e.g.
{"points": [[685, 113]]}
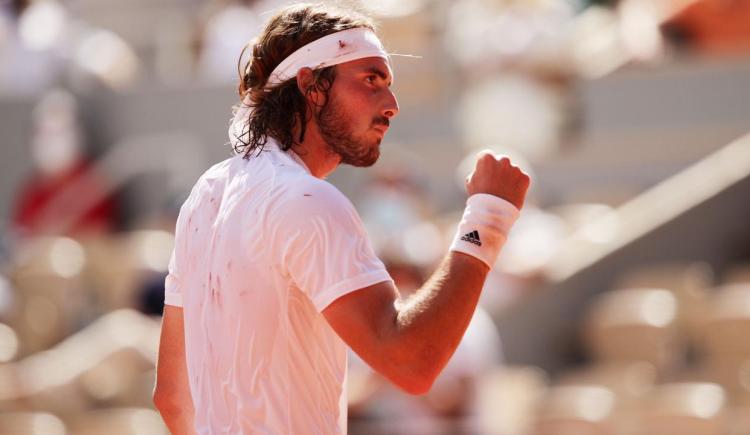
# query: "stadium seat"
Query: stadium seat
{"points": [[634, 325], [31, 423], [685, 409], [576, 410], [119, 421], [507, 398], [690, 282]]}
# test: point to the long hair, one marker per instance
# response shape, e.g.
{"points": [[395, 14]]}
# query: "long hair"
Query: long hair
{"points": [[278, 111]]}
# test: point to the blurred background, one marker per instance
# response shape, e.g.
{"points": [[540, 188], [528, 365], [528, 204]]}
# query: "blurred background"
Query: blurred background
{"points": [[620, 304]]}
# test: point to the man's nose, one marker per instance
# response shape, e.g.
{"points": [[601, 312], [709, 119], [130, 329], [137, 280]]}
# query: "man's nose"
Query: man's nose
{"points": [[390, 108]]}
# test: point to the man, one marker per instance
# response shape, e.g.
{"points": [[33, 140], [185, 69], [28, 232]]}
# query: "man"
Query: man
{"points": [[272, 273]]}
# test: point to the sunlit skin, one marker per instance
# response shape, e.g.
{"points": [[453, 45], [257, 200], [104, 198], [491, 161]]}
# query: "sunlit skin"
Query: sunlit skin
{"points": [[358, 115]]}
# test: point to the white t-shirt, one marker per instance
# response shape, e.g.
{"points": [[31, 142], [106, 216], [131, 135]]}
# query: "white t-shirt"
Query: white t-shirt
{"points": [[262, 247]]}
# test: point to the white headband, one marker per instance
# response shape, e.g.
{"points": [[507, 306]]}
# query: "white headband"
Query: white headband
{"points": [[333, 49]]}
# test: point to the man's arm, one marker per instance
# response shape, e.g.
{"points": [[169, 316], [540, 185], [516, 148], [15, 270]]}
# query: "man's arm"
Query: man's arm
{"points": [[410, 341], [172, 392]]}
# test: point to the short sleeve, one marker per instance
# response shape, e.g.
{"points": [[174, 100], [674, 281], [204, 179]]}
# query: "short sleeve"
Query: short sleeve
{"points": [[177, 263], [323, 246], [172, 290]]}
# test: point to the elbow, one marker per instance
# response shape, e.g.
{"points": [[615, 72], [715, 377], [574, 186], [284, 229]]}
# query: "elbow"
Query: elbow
{"points": [[411, 364], [418, 378], [416, 387]]}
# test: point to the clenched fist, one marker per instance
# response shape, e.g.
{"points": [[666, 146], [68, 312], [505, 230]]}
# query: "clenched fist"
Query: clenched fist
{"points": [[497, 176]]}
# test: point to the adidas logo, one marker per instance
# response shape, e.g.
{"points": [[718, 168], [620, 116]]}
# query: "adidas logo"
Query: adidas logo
{"points": [[472, 237]]}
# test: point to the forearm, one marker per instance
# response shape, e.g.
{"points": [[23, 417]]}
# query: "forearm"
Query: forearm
{"points": [[172, 392], [429, 325]]}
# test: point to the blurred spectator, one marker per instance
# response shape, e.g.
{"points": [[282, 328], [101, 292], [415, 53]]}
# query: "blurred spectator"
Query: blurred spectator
{"points": [[65, 194], [484, 35], [151, 295], [397, 216], [32, 38], [712, 27], [521, 112], [150, 290], [518, 65], [226, 32]]}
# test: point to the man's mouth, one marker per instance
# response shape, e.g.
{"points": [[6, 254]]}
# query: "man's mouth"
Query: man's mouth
{"points": [[381, 128], [381, 125]]}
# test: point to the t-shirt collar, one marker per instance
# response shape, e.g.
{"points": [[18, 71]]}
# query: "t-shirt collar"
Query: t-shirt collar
{"points": [[271, 143], [298, 159]]}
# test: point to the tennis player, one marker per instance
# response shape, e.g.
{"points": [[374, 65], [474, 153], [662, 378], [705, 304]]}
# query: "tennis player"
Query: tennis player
{"points": [[273, 275]]}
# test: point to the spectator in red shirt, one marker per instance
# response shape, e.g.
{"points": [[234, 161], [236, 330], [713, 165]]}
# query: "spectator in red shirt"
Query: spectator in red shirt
{"points": [[65, 195]]}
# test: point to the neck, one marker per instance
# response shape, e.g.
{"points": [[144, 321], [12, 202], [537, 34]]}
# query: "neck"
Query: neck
{"points": [[316, 153]]}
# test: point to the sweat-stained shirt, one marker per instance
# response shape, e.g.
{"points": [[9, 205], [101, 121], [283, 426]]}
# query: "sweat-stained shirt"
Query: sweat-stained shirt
{"points": [[262, 247]]}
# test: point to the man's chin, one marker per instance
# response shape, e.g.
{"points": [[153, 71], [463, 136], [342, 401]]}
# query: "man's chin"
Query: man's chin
{"points": [[362, 161]]}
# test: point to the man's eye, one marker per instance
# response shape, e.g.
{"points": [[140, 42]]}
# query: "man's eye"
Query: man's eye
{"points": [[371, 79]]}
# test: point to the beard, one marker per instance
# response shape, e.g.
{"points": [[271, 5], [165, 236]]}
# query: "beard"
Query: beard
{"points": [[335, 127]]}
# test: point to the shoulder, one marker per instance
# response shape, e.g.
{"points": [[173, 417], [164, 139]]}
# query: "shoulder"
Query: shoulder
{"points": [[216, 172], [219, 172], [311, 215], [207, 182], [318, 191], [304, 196]]}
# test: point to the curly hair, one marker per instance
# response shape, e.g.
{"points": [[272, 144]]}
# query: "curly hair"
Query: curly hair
{"points": [[278, 111]]}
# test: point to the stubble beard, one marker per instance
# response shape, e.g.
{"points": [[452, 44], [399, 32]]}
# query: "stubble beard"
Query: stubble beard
{"points": [[335, 128]]}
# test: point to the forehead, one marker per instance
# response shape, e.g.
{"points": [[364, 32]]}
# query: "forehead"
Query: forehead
{"points": [[368, 64]]}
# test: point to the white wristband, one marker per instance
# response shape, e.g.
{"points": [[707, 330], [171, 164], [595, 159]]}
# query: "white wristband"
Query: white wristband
{"points": [[484, 227]]}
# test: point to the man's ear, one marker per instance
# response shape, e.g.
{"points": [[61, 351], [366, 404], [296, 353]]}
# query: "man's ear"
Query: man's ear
{"points": [[305, 80], [306, 86]]}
